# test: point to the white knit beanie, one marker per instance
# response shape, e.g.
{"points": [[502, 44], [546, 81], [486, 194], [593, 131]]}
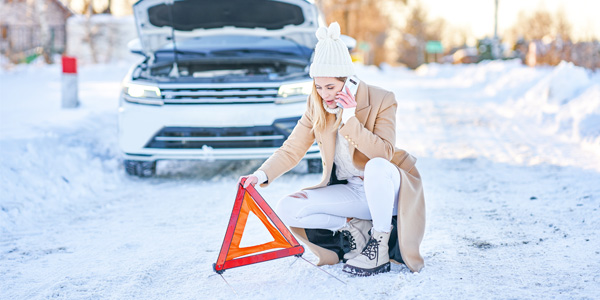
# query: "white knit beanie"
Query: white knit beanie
{"points": [[331, 57]]}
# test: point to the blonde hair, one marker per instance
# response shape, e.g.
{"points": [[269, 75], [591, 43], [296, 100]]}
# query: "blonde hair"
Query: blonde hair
{"points": [[319, 113]]}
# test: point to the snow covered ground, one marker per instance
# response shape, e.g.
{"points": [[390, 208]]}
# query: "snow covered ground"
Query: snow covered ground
{"points": [[510, 158]]}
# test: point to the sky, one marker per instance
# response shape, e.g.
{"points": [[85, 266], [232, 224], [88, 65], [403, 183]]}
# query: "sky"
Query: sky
{"points": [[478, 15]]}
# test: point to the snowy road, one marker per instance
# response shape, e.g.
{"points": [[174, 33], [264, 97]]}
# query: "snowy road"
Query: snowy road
{"points": [[512, 206]]}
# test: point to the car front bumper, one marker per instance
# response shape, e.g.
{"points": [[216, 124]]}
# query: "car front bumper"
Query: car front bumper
{"points": [[140, 124]]}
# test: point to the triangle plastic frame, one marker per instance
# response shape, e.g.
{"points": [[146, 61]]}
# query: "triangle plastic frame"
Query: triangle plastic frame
{"points": [[232, 255]]}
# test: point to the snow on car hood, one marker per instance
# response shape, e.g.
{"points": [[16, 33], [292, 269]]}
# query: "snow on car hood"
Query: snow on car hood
{"points": [[158, 21]]}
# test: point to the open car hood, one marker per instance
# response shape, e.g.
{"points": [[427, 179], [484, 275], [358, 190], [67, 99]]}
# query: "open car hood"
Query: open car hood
{"points": [[158, 21]]}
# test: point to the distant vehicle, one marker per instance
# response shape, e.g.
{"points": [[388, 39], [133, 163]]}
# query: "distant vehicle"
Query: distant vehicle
{"points": [[219, 80], [462, 55]]}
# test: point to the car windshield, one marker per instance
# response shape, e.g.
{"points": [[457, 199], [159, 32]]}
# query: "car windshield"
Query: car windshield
{"points": [[240, 48], [182, 51], [229, 70], [248, 53]]}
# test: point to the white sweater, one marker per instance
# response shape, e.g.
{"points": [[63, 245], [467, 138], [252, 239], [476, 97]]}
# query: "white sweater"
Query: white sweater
{"points": [[345, 169]]}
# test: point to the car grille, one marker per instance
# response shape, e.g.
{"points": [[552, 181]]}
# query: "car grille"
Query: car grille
{"points": [[224, 94], [217, 137]]}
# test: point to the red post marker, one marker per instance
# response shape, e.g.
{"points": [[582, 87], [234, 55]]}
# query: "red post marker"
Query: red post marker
{"points": [[69, 65], [70, 86]]}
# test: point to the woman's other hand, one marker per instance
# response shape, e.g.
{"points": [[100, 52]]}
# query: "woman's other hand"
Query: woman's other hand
{"points": [[250, 180], [346, 99]]}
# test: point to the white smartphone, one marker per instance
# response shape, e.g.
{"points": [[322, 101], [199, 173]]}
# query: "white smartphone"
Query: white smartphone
{"points": [[352, 83]]}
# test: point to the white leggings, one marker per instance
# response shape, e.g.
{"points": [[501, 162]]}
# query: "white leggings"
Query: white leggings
{"points": [[328, 207]]}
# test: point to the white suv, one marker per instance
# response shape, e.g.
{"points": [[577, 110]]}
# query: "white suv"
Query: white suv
{"points": [[221, 79]]}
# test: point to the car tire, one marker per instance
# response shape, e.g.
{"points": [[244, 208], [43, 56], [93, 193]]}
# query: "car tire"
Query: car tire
{"points": [[314, 165], [140, 168]]}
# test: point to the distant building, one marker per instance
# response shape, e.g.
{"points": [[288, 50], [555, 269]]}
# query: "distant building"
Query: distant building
{"points": [[25, 25]]}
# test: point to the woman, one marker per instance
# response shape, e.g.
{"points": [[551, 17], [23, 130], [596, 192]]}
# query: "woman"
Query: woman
{"points": [[357, 145]]}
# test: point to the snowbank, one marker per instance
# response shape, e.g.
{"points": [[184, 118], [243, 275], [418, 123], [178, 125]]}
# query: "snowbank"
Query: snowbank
{"points": [[55, 159], [566, 101]]}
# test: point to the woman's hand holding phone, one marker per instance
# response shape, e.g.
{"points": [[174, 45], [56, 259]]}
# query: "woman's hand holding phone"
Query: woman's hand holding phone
{"points": [[345, 99]]}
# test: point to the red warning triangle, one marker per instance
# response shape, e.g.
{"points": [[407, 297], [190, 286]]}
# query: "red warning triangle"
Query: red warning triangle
{"points": [[232, 255]]}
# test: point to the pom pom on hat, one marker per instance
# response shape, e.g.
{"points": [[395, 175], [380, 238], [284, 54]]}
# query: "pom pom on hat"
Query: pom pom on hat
{"points": [[331, 58], [334, 31]]}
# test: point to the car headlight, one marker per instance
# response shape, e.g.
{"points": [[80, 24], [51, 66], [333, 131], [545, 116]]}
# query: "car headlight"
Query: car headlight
{"points": [[144, 94], [294, 92]]}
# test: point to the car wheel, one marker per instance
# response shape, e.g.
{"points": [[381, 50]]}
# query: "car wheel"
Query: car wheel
{"points": [[315, 165], [140, 168]]}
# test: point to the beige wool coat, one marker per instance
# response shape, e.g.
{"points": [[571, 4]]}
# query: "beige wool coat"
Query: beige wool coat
{"points": [[372, 133]]}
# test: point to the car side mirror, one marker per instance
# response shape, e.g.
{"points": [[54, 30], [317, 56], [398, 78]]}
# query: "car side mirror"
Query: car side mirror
{"points": [[349, 41], [135, 46]]}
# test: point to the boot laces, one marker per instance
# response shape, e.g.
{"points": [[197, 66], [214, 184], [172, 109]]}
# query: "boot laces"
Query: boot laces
{"points": [[350, 238], [371, 250]]}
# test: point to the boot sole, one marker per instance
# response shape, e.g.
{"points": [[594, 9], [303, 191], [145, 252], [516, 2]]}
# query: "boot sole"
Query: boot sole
{"points": [[366, 272]]}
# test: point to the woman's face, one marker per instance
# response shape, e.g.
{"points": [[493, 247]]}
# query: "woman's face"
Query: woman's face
{"points": [[327, 87]]}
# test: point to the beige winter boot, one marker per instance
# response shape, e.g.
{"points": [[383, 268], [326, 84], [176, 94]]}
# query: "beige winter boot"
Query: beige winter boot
{"points": [[374, 258], [357, 231]]}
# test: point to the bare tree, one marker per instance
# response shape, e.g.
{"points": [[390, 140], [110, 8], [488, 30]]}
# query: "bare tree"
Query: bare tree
{"points": [[417, 31], [41, 9], [541, 23], [564, 29], [364, 20], [91, 30]]}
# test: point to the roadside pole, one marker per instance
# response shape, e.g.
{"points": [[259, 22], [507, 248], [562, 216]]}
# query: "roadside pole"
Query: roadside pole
{"points": [[70, 85]]}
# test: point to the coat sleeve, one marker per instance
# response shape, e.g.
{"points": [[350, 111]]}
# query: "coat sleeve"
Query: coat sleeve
{"points": [[292, 150], [379, 142]]}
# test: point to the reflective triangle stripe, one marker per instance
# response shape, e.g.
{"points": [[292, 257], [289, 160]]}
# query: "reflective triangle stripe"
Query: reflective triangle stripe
{"points": [[232, 255]]}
